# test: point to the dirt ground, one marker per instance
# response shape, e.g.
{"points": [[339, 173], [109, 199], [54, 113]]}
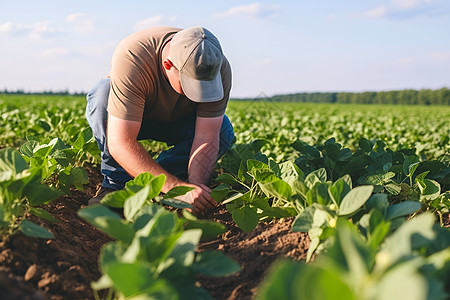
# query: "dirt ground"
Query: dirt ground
{"points": [[64, 267]]}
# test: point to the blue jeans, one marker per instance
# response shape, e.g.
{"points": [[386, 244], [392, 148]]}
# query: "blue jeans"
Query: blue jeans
{"points": [[179, 134]]}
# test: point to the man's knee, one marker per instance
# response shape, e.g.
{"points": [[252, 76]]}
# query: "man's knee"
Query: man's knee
{"points": [[226, 136]]}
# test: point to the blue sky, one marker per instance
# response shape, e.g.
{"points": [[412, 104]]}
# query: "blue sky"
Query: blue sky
{"points": [[275, 47]]}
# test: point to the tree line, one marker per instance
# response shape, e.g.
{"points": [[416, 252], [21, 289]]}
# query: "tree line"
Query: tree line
{"points": [[404, 97]]}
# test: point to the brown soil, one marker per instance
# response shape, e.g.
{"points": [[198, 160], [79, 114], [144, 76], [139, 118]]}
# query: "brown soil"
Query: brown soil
{"points": [[64, 267]]}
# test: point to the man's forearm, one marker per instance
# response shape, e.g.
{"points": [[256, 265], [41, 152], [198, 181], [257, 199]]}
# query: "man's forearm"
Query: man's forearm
{"points": [[202, 160], [136, 160]]}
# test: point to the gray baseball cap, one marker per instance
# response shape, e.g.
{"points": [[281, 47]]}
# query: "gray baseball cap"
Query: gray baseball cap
{"points": [[197, 55]]}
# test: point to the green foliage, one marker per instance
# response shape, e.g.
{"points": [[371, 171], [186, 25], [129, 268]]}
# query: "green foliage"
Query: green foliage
{"points": [[20, 192], [57, 160], [353, 269], [154, 256], [262, 191], [319, 219]]}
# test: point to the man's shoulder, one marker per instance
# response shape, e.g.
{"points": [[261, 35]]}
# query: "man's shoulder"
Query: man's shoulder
{"points": [[151, 35]]}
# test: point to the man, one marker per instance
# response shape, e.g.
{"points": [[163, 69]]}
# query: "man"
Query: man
{"points": [[170, 85]]}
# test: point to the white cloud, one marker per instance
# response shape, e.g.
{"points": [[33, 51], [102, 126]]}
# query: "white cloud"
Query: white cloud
{"points": [[82, 22], [397, 7], [36, 32], [147, 23], [6, 27], [253, 11], [408, 4], [377, 12]]}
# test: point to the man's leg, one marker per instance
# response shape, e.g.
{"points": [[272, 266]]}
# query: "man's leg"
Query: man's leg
{"points": [[180, 134], [114, 175]]}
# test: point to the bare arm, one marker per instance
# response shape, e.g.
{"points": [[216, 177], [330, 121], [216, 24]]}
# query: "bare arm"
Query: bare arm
{"points": [[129, 153], [205, 148]]}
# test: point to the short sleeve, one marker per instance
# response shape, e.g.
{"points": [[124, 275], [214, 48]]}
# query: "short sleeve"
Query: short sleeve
{"points": [[130, 86]]}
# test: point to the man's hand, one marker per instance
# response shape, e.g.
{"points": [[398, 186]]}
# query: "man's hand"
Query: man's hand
{"points": [[199, 197]]}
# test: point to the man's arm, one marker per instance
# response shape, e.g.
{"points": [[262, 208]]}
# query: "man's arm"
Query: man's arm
{"points": [[205, 149], [128, 152]]}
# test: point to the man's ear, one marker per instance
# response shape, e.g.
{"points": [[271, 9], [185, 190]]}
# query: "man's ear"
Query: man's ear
{"points": [[167, 63]]}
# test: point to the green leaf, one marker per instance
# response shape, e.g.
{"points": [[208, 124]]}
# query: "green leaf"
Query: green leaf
{"points": [[176, 203], [375, 178], [402, 282], [410, 164], [227, 179], [319, 175], [355, 199], [288, 171], [260, 171], [319, 194], [379, 228], [177, 191], [393, 188], [76, 177], [109, 222], [411, 235], [240, 174], [402, 209], [133, 279], [278, 189], [365, 144], [83, 137], [379, 202], [117, 198], [183, 252], [246, 217], [134, 203], [220, 192], [351, 252], [42, 150], [237, 197], [314, 235], [11, 162], [31, 229], [278, 212], [28, 148], [429, 189], [210, 229], [215, 263], [338, 190], [293, 280], [43, 214], [314, 216], [39, 194]]}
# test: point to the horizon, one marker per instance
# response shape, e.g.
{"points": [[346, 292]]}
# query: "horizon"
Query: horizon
{"points": [[277, 48]]}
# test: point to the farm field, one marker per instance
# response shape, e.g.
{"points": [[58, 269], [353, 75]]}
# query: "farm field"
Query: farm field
{"points": [[359, 192]]}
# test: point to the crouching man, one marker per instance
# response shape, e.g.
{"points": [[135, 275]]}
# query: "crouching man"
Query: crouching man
{"points": [[170, 85]]}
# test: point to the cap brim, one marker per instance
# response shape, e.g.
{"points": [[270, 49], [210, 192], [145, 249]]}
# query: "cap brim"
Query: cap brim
{"points": [[202, 90]]}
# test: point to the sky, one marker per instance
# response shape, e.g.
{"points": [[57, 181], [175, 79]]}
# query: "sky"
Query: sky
{"points": [[274, 47]]}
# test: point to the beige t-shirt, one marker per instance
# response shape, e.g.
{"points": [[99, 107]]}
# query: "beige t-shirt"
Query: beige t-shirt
{"points": [[139, 88]]}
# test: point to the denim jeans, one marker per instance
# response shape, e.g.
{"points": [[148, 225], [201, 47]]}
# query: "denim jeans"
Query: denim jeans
{"points": [[179, 134]]}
